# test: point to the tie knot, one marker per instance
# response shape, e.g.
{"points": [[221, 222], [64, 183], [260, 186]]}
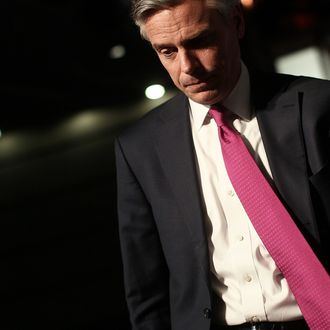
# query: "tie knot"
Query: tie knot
{"points": [[218, 115], [226, 129]]}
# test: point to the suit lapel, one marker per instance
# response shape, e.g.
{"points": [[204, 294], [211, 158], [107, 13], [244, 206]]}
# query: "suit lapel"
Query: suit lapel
{"points": [[281, 129], [174, 145]]}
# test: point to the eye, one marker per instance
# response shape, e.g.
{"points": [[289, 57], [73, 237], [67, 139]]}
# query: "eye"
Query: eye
{"points": [[167, 52]]}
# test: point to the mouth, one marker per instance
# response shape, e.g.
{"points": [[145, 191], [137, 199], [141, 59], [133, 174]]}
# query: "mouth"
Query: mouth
{"points": [[195, 82], [198, 84]]}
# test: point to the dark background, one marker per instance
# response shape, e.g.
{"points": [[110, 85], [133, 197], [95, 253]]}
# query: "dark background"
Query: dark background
{"points": [[63, 99]]}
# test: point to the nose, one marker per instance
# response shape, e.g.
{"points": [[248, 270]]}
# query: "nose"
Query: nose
{"points": [[188, 62]]}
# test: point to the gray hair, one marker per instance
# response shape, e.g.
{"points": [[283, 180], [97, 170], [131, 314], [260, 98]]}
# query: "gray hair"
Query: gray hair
{"points": [[142, 9]]}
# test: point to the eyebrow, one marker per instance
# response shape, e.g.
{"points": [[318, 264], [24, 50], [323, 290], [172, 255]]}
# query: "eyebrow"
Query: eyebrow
{"points": [[200, 35]]}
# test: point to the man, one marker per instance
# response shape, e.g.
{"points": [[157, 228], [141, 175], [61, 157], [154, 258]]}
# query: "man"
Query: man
{"points": [[194, 256]]}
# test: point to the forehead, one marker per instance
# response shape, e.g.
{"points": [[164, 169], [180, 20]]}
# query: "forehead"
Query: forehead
{"points": [[180, 21]]}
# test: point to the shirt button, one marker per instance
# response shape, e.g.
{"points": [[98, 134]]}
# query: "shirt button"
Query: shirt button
{"points": [[254, 319], [241, 238], [230, 193], [248, 278]]}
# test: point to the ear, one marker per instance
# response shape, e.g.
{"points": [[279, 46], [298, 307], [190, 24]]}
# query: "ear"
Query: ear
{"points": [[237, 17]]}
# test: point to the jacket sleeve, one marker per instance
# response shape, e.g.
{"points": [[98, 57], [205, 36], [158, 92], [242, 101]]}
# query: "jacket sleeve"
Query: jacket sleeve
{"points": [[146, 275]]}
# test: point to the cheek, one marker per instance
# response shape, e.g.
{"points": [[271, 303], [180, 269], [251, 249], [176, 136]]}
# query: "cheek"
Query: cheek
{"points": [[210, 59]]}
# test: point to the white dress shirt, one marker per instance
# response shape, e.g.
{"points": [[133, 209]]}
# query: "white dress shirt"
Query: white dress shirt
{"points": [[244, 275]]}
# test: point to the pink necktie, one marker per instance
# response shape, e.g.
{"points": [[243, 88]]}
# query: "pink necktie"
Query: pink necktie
{"points": [[307, 278]]}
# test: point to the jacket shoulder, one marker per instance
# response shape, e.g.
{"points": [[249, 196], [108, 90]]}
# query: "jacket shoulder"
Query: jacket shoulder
{"points": [[141, 129], [272, 87]]}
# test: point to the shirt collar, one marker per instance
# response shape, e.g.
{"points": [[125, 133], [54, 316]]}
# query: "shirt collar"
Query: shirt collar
{"points": [[238, 101]]}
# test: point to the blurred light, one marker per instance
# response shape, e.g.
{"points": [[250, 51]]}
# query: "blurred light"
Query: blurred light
{"points": [[83, 123], [154, 92], [117, 51], [13, 143], [310, 61], [0, 133], [247, 3]]}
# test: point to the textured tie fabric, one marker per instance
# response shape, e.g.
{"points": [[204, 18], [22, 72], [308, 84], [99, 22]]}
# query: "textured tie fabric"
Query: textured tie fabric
{"points": [[307, 278]]}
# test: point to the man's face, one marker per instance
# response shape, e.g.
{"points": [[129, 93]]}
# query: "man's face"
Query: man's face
{"points": [[198, 47]]}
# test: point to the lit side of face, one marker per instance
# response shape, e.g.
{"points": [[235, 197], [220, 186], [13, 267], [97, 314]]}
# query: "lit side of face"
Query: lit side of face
{"points": [[198, 47]]}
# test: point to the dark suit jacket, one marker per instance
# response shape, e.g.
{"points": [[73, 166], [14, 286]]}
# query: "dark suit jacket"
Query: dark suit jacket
{"points": [[164, 247]]}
